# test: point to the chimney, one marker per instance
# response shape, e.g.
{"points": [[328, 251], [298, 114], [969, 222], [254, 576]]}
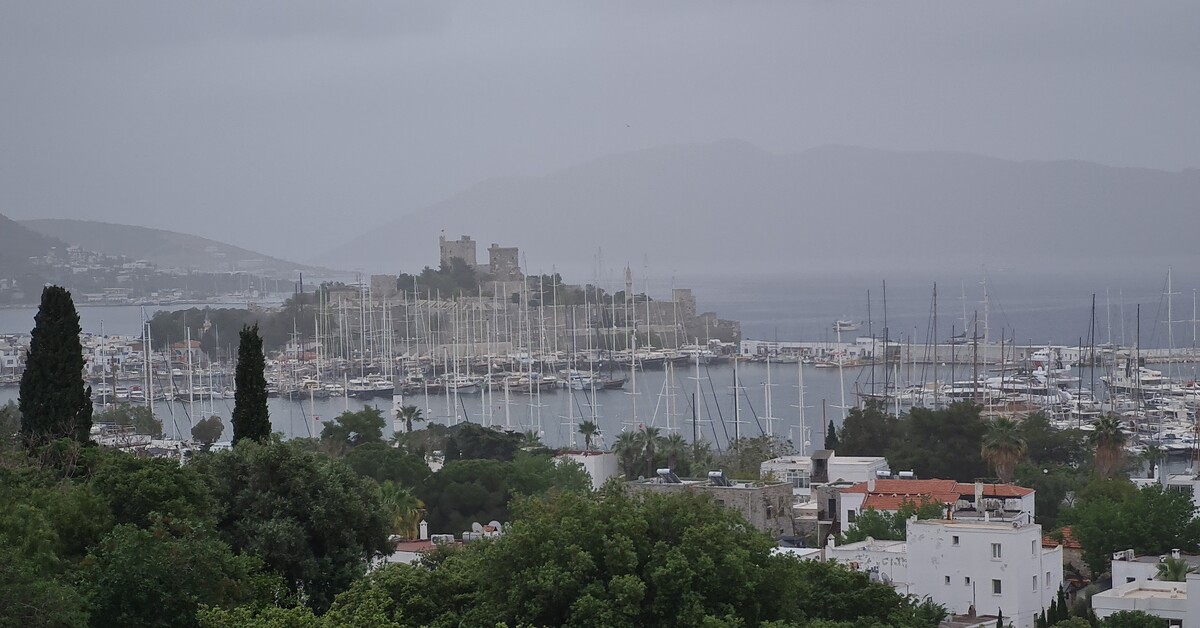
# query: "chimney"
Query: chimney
{"points": [[424, 530], [870, 485], [978, 495], [1175, 554]]}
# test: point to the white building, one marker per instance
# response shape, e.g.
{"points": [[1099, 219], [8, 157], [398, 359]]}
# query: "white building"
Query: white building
{"points": [[1169, 600], [984, 566], [970, 566], [1129, 567], [885, 561], [600, 465], [822, 467]]}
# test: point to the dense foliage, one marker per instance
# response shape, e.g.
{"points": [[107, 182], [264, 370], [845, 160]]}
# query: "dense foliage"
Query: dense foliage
{"points": [[612, 560], [54, 401], [310, 518], [276, 327]]}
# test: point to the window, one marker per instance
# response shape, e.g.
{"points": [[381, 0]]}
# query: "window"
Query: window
{"points": [[1047, 578], [1128, 579], [967, 581], [996, 587], [1033, 548], [799, 479], [954, 540], [1035, 584], [850, 516], [995, 550], [947, 579]]}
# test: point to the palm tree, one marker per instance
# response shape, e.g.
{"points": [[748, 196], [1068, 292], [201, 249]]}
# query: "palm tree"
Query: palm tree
{"points": [[530, 439], [1003, 447], [410, 415], [674, 448], [649, 437], [402, 508], [1153, 456], [589, 429], [1110, 445], [1173, 569], [628, 447]]}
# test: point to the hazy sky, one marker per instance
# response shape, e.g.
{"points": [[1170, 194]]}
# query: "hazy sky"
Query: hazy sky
{"points": [[291, 126]]}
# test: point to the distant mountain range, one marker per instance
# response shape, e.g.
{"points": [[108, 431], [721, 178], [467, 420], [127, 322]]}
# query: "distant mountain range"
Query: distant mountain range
{"points": [[734, 207], [166, 249]]}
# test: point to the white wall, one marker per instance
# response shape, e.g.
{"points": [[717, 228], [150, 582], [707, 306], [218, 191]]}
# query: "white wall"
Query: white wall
{"points": [[960, 574], [888, 559], [1169, 600], [599, 465]]}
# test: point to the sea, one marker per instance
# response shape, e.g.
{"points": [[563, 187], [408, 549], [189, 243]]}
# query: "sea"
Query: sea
{"points": [[1036, 308]]}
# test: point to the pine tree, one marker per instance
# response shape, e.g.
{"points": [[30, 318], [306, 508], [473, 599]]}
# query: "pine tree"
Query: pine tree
{"points": [[1064, 611], [54, 401], [250, 417], [831, 437]]}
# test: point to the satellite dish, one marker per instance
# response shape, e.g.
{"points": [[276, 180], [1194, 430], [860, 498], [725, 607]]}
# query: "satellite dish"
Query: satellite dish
{"points": [[496, 525], [476, 527]]}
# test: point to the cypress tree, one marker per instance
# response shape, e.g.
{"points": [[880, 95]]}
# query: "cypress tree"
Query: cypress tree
{"points": [[54, 401], [250, 417], [1064, 611], [831, 437]]}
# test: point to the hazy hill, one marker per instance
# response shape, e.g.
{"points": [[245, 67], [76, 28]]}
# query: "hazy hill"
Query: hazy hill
{"points": [[167, 249], [729, 205], [18, 244]]}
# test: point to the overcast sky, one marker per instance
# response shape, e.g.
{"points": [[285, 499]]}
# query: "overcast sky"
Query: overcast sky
{"points": [[290, 126]]}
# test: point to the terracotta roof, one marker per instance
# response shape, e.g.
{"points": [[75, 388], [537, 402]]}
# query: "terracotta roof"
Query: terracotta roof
{"points": [[1068, 540], [946, 491], [905, 487], [414, 546], [894, 502]]}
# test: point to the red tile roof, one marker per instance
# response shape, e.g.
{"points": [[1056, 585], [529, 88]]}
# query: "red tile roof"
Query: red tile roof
{"points": [[890, 494], [1068, 540]]}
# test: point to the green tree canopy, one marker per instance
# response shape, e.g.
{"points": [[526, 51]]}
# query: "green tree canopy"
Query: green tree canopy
{"points": [[1111, 515], [889, 526], [955, 433], [137, 487], [312, 519], [384, 463], [161, 575], [351, 429], [54, 401], [469, 441], [624, 560], [208, 431], [867, 431], [1133, 619]]}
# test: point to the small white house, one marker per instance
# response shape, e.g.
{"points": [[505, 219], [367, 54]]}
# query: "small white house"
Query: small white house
{"points": [[1168, 600], [985, 566], [1129, 567]]}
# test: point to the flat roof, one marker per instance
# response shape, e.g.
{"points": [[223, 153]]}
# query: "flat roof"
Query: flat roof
{"points": [[882, 545]]}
